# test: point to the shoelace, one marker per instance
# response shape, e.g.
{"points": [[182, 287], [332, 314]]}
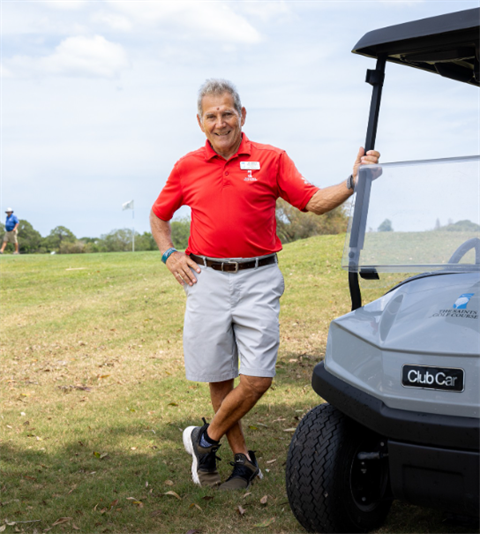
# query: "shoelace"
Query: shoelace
{"points": [[208, 461], [240, 471]]}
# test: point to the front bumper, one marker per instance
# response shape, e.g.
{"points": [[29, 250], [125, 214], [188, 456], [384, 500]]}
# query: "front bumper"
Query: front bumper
{"points": [[434, 459], [403, 425]]}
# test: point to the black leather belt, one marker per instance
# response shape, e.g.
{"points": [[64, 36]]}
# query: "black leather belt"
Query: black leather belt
{"points": [[229, 266]]}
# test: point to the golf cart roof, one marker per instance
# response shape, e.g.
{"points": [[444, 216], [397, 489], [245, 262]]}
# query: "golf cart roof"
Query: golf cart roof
{"points": [[447, 45]]}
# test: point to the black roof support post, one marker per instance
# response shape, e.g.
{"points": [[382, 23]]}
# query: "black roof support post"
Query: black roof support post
{"points": [[374, 78]]}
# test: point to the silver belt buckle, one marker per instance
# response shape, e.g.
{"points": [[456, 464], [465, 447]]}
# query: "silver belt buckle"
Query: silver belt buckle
{"points": [[231, 263]]}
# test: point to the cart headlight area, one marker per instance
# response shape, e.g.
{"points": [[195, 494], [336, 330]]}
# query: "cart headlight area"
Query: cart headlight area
{"points": [[413, 348]]}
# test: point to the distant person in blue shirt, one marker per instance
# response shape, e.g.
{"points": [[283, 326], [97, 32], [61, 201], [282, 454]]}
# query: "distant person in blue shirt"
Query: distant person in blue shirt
{"points": [[11, 229]]}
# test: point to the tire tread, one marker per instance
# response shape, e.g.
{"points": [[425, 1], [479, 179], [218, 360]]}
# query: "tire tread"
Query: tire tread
{"points": [[312, 464]]}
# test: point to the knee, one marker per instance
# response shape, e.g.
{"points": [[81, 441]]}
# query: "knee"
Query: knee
{"points": [[256, 385]]}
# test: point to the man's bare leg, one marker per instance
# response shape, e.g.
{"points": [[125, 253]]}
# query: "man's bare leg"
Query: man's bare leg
{"points": [[236, 439], [238, 402]]}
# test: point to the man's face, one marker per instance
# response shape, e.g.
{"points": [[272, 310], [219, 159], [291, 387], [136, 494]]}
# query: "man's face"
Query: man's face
{"points": [[221, 123], [9, 213]]}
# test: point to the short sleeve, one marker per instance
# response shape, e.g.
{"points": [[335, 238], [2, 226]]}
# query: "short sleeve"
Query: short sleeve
{"points": [[293, 187], [170, 198]]}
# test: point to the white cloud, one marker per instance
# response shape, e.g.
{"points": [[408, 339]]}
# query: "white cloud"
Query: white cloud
{"points": [[114, 21], [5, 73], [212, 21], [86, 56], [75, 56], [64, 4], [32, 20], [265, 11], [402, 2]]}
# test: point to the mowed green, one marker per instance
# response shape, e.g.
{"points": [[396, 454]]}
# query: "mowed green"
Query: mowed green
{"points": [[94, 398]]}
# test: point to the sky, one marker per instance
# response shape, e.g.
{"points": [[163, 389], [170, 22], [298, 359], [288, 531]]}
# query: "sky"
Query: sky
{"points": [[98, 98], [439, 198]]}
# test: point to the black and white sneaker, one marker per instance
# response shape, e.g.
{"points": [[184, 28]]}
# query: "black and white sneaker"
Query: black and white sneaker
{"points": [[204, 464], [244, 472]]}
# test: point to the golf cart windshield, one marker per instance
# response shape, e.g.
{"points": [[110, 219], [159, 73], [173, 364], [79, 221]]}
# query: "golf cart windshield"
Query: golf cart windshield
{"points": [[421, 216]]}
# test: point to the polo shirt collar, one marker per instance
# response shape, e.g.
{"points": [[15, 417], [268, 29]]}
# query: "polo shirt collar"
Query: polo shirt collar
{"points": [[244, 149]]}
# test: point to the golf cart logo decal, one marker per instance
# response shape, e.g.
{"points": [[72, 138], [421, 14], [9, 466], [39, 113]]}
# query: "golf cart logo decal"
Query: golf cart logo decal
{"points": [[461, 313], [462, 301], [459, 309], [440, 378]]}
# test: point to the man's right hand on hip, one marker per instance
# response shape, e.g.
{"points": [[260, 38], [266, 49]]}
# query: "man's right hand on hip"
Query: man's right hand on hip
{"points": [[180, 265]]}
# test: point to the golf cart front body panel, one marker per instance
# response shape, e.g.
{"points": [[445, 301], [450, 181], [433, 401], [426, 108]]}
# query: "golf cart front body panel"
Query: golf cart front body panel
{"points": [[433, 322], [417, 427], [445, 45]]}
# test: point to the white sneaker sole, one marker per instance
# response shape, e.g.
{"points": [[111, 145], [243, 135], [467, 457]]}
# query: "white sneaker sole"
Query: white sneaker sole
{"points": [[187, 443]]}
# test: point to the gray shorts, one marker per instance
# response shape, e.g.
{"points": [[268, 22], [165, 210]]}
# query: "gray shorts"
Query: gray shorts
{"points": [[232, 316]]}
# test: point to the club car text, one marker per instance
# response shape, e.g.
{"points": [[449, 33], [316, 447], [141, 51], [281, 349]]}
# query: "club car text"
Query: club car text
{"points": [[419, 376]]}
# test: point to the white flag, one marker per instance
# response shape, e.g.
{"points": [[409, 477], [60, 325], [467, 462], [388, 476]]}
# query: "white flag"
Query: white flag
{"points": [[127, 205]]}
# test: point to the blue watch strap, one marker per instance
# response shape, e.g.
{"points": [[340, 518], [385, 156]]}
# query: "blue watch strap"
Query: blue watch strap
{"points": [[167, 254]]}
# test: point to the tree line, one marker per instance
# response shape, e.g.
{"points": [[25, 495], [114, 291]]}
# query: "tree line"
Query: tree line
{"points": [[291, 225]]}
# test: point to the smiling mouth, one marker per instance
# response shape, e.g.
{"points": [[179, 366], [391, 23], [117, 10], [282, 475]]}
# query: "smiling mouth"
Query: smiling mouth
{"points": [[223, 134]]}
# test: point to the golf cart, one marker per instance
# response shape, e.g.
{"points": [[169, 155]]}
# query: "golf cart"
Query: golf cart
{"points": [[401, 374]]}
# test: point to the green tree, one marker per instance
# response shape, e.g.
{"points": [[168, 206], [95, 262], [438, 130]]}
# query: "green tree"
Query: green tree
{"points": [[385, 226], [180, 233], [293, 224], [145, 242], [29, 240], [460, 226], [115, 241], [87, 240], [57, 238], [90, 244]]}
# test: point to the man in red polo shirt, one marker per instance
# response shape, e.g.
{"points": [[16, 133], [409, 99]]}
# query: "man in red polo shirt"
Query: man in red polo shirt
{"points": [[230, 271]]}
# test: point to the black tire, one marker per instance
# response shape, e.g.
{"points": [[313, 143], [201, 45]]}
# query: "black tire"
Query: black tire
{"points": [[328, 488]]}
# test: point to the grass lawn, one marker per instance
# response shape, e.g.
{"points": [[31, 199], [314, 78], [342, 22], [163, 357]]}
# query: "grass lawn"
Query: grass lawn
{"points": [[94, 398]]}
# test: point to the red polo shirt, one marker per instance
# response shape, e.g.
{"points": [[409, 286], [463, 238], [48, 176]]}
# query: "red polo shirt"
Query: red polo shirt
{"points": [[233, 202]]}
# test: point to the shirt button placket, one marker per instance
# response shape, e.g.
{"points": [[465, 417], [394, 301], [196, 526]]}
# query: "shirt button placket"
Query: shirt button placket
{"points": [[226, 173]]}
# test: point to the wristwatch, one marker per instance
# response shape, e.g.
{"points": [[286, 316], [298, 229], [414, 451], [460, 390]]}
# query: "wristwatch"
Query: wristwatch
{"points": [[351, 183]]}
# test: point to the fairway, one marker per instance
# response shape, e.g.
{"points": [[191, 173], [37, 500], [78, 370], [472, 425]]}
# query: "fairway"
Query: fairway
{"points": [[94, 398]]}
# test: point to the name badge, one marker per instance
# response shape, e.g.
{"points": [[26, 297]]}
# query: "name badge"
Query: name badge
{"points": [[250, 165]]}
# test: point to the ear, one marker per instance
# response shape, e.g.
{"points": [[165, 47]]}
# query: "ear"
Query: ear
{"points": [[244, 116], [200, 123]]}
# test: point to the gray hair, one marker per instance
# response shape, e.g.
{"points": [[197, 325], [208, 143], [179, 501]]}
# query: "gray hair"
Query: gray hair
{"points": [[218, 86]]}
